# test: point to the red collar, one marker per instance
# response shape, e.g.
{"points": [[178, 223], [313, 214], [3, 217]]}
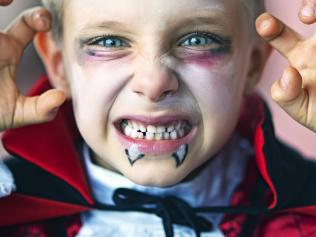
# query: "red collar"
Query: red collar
{"points": [[250, 125], [51, 145]]}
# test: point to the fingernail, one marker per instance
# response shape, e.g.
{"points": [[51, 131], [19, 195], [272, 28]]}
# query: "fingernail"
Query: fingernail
{"points": [[308, 11], [285, 81], [45, 21], [43, 18], [5, 2], [264, 24], [54, 111]]}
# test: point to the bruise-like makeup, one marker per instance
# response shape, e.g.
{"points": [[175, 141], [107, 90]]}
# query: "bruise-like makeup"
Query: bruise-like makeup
{"points": [[217, 48], [92, 50]]}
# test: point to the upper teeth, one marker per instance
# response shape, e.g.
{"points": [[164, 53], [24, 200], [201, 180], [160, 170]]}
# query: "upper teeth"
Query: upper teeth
{"points": [[150, 132]]}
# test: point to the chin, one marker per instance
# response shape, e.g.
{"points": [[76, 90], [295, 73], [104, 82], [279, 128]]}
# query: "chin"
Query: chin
{"points": [[155, 175], [156, 182]]}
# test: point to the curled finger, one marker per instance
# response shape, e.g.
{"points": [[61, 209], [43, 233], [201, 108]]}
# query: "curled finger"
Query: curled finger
{"points": [[289, 93], [279, 35], [307, 13], [5, 2], [24, 28]]}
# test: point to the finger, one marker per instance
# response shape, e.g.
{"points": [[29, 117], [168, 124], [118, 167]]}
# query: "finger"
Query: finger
{"points": [[280, 36], [307, 12], [290, 95], [5, 2], [24, 28], [38, 109]]}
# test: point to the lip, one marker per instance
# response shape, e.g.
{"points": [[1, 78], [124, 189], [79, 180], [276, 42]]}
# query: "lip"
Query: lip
{"points": [[152, 147]]}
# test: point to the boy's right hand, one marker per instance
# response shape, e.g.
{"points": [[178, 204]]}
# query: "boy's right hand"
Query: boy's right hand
{"points": [[15, 109]]}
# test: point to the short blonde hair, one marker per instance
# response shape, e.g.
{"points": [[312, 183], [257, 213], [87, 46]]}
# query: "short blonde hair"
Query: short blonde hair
{"points": [[56, 7]]}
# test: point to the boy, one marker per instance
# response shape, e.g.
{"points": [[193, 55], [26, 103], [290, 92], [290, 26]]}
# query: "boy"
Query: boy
{"points": [[161, 97]]}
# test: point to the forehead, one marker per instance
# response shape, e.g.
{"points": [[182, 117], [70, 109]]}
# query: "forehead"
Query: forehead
{"points": [[151, 12]]}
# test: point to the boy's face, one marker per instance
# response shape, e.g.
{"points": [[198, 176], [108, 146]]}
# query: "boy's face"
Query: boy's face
{"points": [[156, 85]]}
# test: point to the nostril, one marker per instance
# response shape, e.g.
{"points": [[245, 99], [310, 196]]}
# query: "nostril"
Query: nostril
{"points": [[138, 92], [166, 93], [155, 85], [154, 96]]}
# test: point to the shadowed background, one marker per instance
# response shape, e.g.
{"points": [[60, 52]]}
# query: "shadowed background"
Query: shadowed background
{"points": [[289, 130]]}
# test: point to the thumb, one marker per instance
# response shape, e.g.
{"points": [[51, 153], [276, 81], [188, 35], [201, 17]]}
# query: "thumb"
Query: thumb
{"points": [[38, 109], [291, 96]]}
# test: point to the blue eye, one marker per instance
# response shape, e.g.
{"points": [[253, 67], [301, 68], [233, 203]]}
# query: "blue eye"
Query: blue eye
{"points": [[205, 40], [197, 40], [108, 42]]}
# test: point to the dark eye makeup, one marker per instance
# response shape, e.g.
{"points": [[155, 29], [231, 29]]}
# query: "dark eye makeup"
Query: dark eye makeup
{"points": [[205, 41], [107, 41], [198, 42]]}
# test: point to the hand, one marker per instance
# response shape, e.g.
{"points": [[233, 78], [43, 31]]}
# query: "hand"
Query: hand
{"points": [[295, 91], [16, 109]]}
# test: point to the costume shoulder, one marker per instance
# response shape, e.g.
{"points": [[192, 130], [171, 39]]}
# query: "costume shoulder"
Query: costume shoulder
{"points": [[46, 166], [291, 177], [286, 174], [39, 195]]}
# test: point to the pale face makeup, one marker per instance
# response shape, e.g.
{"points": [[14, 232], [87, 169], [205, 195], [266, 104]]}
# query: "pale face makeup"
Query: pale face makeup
{"points": [[156, 85]]}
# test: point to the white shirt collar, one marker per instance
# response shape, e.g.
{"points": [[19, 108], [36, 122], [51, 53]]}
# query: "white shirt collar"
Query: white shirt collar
{"points": [[213, 186], [7, 184], [217, 180]]}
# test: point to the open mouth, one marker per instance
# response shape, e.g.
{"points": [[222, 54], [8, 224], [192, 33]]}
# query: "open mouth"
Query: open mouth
{"points": [[172, 131], [155, 136]]}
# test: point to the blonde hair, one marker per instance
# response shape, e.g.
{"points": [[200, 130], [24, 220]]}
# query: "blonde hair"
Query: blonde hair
{"points": [[255, 8], [56, 7]]}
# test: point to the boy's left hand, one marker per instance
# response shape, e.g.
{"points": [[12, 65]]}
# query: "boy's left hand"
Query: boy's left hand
{"points": [[295, 92]]}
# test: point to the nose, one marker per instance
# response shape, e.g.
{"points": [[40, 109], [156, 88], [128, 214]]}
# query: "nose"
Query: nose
{"points": [[153, 80]]}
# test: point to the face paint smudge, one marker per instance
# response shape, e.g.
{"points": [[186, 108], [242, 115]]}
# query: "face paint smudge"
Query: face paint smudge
{"points": [[181, 154]]}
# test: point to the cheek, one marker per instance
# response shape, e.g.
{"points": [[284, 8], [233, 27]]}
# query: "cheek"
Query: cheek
{"points": [[204, 59], [215, 88], [218, 93], [94, 86]]}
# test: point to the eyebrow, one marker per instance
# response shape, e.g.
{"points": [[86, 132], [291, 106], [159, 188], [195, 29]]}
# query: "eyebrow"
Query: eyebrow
{"points": [[106, 25], [203, 16], [189, 21], [197, 17]]}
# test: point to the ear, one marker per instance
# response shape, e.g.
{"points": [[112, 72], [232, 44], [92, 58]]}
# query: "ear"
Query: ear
{"points": [[259, 55], [52, 58]]}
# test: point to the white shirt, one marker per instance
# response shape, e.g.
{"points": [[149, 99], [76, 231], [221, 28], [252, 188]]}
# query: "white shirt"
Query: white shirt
{"points": [[7, 185], [213, 186]]}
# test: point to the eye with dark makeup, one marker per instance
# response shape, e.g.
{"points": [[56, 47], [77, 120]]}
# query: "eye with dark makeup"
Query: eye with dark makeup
{"points": [[204, 41], [202, 45], [107, 41], [105, 47], [190, 43]]}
